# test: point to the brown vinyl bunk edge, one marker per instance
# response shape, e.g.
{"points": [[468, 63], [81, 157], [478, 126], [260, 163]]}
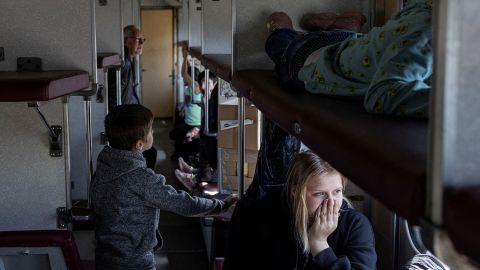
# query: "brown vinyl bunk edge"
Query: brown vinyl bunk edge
{"points": [[220, 64], [41, 86], [385, 156], [107, 59]]}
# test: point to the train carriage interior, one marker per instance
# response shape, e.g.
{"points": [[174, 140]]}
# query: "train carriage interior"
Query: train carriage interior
{"points": [[416, 179]]}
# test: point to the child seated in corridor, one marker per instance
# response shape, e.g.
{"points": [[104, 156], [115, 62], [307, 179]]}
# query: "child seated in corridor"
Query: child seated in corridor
{"points": [[127, 196], [390, 67]]}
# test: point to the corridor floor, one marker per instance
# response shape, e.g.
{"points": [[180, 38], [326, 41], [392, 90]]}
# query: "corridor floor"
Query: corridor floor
{"points": [[184, 246]]}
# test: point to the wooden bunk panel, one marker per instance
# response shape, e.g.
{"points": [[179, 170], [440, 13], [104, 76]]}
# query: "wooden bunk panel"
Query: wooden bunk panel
{"points": [[385, 156], [40, 86], [462, 220], [107, 59], [220, 64]]}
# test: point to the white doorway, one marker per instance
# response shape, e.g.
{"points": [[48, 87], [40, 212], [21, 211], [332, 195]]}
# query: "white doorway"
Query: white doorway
{"points": [[157, 61]]}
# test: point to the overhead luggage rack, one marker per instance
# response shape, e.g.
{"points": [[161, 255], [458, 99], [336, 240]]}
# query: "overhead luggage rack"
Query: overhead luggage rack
{"points": [[385, 156]]}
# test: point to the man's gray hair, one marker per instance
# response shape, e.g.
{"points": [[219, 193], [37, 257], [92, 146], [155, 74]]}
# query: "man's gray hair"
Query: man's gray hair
{"points": [[129, 30]]}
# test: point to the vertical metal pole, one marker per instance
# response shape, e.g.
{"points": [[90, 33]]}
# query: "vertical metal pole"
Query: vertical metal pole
{"points": [[122, 51], [94, 41], [66, 153], [442, 123], [137, 79], [88, 135], [219, 171], [192, 73], [105, 83], [88, 108], [206, 129], [119, 85], [241, 146]]}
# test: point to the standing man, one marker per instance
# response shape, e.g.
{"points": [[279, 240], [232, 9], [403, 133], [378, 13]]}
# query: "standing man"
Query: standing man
{"points": [[133, 40]]}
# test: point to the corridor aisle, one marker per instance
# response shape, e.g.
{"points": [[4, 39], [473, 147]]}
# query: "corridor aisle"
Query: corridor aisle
{"points": [[184, 247]]}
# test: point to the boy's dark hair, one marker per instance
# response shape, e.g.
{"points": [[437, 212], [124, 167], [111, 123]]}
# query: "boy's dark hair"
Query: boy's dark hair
{"points": [[211, 76], [126, 124]]}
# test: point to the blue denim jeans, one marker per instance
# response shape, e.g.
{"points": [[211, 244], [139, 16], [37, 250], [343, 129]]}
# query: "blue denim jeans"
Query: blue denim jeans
{"points": [[289, 49]]}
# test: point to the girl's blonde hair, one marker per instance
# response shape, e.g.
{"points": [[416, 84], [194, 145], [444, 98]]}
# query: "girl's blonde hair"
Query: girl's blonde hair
{"points": [[302, 168]]}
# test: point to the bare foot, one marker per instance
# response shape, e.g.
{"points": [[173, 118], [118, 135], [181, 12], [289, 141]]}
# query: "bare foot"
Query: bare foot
{"points": [[278, 20]]}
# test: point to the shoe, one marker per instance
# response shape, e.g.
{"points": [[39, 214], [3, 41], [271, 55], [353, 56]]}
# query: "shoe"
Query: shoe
{"points": [[186, 179], [329, 21], [183, 166], [278, 20]]}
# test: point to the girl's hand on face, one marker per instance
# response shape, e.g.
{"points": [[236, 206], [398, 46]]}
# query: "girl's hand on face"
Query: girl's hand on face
{"points": [[324, 223]]}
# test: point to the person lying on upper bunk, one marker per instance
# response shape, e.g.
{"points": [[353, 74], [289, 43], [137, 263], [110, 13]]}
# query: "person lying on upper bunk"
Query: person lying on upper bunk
{"points": [[390, 67], [307, 225]]}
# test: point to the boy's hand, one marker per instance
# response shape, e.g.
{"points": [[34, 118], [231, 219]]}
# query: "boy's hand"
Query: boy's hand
{"points": [[226, 211], [230, 201]]}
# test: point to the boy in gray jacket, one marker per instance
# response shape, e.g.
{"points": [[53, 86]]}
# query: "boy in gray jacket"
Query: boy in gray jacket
{"points": [[127, 196]]}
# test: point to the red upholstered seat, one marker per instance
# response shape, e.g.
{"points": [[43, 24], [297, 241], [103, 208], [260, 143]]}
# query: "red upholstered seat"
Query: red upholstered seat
{"points": [[48, 238], [462, 220], [41, 86], [218, 263]]}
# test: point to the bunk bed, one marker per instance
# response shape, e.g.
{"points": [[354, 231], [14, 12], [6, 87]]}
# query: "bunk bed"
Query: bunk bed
{"points": [[40, 87], [388, 159], [385, 158]]}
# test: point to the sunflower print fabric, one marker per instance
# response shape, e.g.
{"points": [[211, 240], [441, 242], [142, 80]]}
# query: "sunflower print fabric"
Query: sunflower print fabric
{"points": [[391, 66]]}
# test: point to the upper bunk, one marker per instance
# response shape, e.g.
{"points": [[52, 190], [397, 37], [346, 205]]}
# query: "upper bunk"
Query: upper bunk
{"points": [[41, 86], [107, 59]]}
